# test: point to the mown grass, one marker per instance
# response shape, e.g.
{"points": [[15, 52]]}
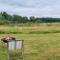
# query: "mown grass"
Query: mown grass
{"points": [[40, 42]]}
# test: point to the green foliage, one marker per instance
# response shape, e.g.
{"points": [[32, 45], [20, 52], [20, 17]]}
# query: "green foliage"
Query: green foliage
{"points": [[6, 18]]}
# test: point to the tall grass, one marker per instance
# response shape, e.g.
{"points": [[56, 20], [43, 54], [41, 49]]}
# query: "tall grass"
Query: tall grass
{"points": [[40, 42], [30, 29]]}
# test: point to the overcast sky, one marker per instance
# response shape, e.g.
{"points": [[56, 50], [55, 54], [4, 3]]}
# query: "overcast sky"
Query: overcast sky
{"points": [[40, 8]]}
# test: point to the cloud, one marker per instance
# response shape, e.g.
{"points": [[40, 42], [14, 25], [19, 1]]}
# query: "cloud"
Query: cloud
{"points": [[40, 8]]}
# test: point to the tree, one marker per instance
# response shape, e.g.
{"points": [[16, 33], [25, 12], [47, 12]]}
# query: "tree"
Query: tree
{"points": [[32, 19]]}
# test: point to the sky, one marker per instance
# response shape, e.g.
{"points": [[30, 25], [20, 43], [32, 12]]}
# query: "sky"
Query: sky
{"points": [[37, 8]]}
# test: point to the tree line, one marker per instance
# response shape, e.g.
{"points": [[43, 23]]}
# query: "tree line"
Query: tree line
{"points": [[6, 18]]}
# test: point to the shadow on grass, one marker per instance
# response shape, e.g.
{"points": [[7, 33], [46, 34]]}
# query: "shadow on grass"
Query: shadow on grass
{"points": [[32, 32], [3, 32], [44, 32]]}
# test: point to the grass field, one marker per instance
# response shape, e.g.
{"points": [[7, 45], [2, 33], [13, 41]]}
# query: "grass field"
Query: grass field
{"points": [[40, 42]]}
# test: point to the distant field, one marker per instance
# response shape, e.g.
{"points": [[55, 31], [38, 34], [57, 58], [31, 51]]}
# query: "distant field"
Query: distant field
{"points": [[34, 29], [40, 42]]}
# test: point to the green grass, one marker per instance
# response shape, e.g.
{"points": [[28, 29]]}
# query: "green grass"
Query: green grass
{"points": [[37, 46], [30, 29]]}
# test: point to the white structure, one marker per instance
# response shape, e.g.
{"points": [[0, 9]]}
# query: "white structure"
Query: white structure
{"points": [[14, 45]]}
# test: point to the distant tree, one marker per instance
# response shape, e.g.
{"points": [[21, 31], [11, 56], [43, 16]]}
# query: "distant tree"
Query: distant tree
{"points": [[25, 19], [6, 18], [5, 15], [17, 19], [32, 19]]}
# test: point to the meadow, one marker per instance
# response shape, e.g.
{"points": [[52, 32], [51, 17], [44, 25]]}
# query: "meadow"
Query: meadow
{"points": [[41, 42]]}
